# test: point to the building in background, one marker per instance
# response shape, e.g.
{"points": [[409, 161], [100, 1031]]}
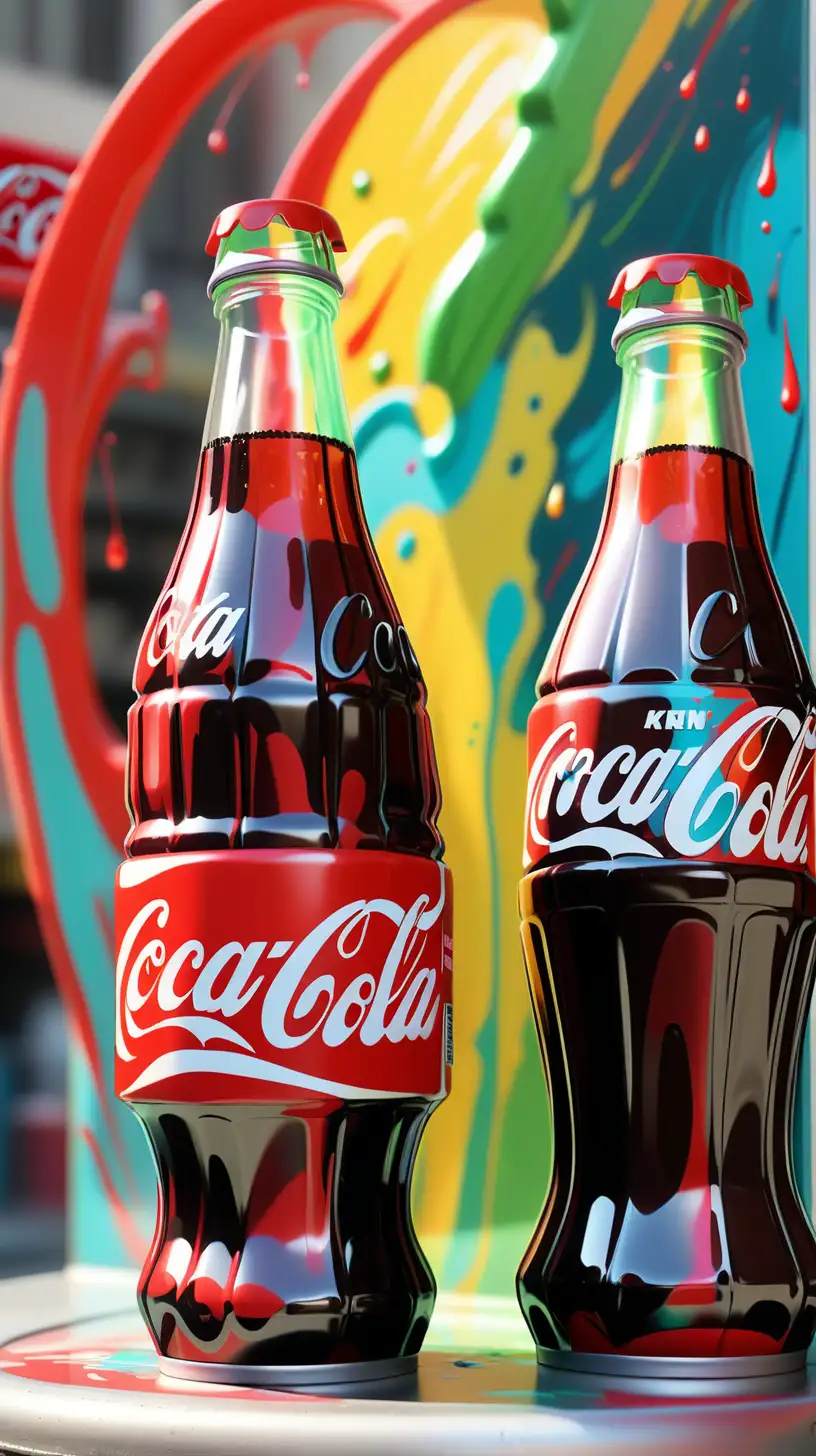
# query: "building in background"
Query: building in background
{"points": [[61, 65]]}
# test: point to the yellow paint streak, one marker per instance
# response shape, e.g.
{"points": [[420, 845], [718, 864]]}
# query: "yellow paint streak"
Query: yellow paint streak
{"points": [[575, 233], [450, 96], [445, 592], [650, 44]]}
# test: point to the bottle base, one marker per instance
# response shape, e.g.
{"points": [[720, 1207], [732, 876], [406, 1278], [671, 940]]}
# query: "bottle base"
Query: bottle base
{"points": [[288, 1376], [743, 1372]]}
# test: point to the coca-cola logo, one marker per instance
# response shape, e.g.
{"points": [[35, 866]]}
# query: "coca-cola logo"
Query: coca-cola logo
{"points": [[304, 1010], [30, 197], [389, 648], [207, 629], [700, 797]]}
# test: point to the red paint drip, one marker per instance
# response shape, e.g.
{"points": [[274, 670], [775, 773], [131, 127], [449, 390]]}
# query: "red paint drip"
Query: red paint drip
{"points": [[688, 85], [116, 550], [702, 139], [791, 395], [766, 226], [625, 170], [567, 556], [773, 287], [361, 335], [766, 181], [743, 101], [218, 141]]}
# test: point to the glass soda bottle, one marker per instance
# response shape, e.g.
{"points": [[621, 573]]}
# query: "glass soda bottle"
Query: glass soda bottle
{"points": [[283, 916], [668, 901]]}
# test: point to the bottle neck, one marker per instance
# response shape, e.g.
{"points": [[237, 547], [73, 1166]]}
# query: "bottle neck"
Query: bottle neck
{"points": [[681, 386], [277, 366]]}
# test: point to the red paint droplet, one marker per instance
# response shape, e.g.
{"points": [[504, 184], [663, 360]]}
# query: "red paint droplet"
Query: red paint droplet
{"points": [[702, 139], [668, 65], [116, 552], [744, 49], [791, 396], [218, 141], [410, 468], [688, 85], [766, 226], [303, 80], [743, 102], [745, 80], [766, 181]]}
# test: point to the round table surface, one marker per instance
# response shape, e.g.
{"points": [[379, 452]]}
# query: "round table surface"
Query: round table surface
{"points": [[78, 1375]]}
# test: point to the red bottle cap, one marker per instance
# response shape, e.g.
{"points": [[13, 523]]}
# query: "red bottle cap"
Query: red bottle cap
{"points": [[259, 213], [672, 268]]}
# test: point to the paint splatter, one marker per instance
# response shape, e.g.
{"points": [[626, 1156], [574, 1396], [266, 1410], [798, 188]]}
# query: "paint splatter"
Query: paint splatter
{"points": [[702, 139], [218, 141], [556, 500], [668, 65], [116, 550], [379, 366], [743, 101], [773, 288], [791, 395], [534, 403], [361, 182], [406, 545], [766, 181], [688, 85], [303, 80], [765, 225], [566, 558], [410, 467], [516, 464]]}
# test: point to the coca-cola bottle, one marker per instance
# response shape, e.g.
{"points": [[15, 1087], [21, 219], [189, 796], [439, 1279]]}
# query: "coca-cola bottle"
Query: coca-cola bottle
{"points": [[668, 905], [283, 917]]}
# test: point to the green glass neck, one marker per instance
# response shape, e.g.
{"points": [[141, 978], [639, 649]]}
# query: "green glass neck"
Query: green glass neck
{"points": [[681, 386], [277, 366]]}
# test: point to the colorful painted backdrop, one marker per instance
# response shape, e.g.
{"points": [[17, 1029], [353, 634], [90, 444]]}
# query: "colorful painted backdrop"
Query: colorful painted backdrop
{"points": [[493, 165]]}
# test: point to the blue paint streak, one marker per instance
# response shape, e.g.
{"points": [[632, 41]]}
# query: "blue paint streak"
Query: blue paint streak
{"points": [[585, 457], [388, 438], [82, 865], [505, 620], [773, 432], [35, 528]]}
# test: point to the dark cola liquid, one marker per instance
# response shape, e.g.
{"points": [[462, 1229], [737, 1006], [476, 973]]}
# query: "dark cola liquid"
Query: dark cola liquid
{"points": [[289, 1238], [280, 703], [671, 994]]}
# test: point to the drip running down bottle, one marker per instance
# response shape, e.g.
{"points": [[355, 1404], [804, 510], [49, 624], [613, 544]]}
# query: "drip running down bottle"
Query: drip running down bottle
{"points": [[668, 902], [283, 916]]}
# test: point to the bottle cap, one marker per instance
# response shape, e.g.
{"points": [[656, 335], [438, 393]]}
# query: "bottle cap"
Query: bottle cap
{"points": [[676, 288], [275, 235], [673, 268]]}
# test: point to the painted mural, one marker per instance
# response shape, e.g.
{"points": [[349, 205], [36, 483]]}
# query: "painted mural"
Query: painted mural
{"points": [[493, 165]]}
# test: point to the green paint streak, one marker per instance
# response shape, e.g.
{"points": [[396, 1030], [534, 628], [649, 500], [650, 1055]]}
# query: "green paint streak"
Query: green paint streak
{"points": [[648, 187], [524, 1164], [525, 209]]}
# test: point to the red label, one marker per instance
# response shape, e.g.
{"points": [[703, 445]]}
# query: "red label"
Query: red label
{"points": [[273, 975], [687, 773]]}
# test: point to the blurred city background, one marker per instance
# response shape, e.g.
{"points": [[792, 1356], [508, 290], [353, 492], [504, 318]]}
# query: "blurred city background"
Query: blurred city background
{"points": [[61, 65]]}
